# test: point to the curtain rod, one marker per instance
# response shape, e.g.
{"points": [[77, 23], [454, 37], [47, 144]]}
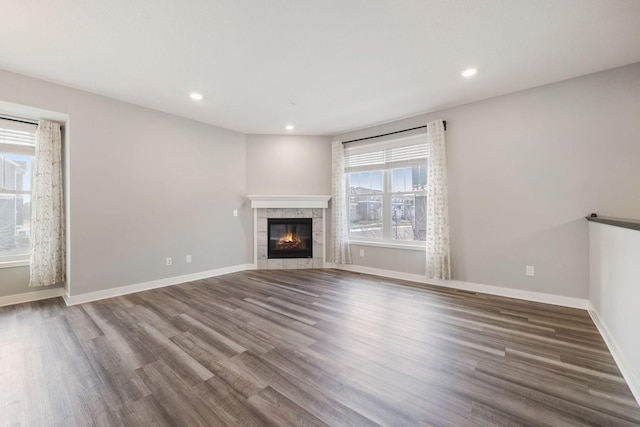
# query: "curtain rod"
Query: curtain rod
{"points": [[444, 123], [13, 119]]}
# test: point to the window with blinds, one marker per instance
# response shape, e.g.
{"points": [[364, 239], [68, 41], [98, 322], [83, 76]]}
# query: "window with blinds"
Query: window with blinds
{"points": [[387, 190], [414, 153], [17, 148]]}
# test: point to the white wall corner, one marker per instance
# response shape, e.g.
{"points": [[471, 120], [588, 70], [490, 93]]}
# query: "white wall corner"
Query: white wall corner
{"points": [[627, 370]]}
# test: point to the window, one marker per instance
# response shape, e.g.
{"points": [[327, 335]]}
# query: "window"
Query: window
{"points": [[17, 148], [387, 191]]}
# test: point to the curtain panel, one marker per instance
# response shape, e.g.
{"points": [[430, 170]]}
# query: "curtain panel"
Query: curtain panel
{"points": [[47, 208], [438, 264], [340, 251]]}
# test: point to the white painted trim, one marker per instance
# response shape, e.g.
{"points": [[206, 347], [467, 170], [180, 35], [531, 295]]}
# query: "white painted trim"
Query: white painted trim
{"points": [[31, 296], [255, 237], [67, 202], [627, 372], [16, 263], [324, 237], [389, 245], [153, 284], [470, 286], [625, 368], [301, 202], [454, 284], [32, 113]]}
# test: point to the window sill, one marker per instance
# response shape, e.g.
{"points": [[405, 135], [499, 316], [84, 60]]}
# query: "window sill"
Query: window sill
{"points": [[388, 245], [15, 263]]}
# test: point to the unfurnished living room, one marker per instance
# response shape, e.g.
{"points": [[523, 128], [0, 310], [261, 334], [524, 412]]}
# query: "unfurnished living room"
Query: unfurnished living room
{"points": [[343, 213]]}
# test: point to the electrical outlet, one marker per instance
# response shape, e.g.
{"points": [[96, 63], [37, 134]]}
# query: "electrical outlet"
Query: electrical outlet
{"points": [[169, 261], [361, 252], [530, 270], [188, 259], [235, 212]]}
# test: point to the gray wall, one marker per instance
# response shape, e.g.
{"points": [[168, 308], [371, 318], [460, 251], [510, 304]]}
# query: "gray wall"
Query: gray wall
{"points": [[524, 170], [143, 185], [14, 280], [288, 165]]}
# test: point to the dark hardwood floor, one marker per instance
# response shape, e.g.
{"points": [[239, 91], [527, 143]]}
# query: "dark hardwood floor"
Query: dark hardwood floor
{"points": [[306, 347]]}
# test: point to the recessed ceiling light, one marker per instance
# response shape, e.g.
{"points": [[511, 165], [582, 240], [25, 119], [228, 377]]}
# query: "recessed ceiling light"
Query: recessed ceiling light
{"points": [[469, 72], [289, 127], [195, 96]]}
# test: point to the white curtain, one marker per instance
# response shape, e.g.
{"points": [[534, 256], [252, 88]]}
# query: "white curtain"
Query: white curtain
{"points": [[47, 208], [340, 252], [438, 252]]}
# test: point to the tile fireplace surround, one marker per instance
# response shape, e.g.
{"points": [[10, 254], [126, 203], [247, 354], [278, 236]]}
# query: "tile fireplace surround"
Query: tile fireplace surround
{"points": [[265, 207]]}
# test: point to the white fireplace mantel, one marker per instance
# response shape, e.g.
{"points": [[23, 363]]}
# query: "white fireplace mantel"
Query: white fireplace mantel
{"points": [[301, 202]]}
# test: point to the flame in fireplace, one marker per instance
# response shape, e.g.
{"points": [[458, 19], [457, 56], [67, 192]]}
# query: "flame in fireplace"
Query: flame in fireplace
{"points": [[290, 240]]}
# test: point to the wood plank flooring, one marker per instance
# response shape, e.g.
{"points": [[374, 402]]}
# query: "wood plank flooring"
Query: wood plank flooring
{"points": [[306, 347]]}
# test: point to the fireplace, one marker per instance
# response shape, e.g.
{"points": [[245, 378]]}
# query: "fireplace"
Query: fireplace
{"points": [[293, 207], [290, 238]]}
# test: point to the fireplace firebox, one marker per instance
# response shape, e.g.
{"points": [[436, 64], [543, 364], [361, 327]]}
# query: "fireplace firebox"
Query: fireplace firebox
{"points": [[290, 238]]}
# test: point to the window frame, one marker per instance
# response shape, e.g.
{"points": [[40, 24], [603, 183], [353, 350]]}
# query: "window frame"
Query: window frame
{"points": [[387, 193], [10, 145]]}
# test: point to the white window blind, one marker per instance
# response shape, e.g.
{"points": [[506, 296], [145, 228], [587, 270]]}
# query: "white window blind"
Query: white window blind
{"points": [[399, 153], [17, 137]]}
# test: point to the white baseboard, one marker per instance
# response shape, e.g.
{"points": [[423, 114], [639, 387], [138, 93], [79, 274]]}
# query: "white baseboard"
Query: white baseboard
{"points": [[470, 286], [633, 381], [625, 368], [153, 284], [455, 284], [31, 296]]}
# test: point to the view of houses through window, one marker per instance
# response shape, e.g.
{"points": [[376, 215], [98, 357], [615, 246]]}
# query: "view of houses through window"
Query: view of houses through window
{"points": [[17, 146], [388, 203]]}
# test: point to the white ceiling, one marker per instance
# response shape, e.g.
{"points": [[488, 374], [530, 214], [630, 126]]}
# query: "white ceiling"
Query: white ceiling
{"points": [[346, 64]]}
